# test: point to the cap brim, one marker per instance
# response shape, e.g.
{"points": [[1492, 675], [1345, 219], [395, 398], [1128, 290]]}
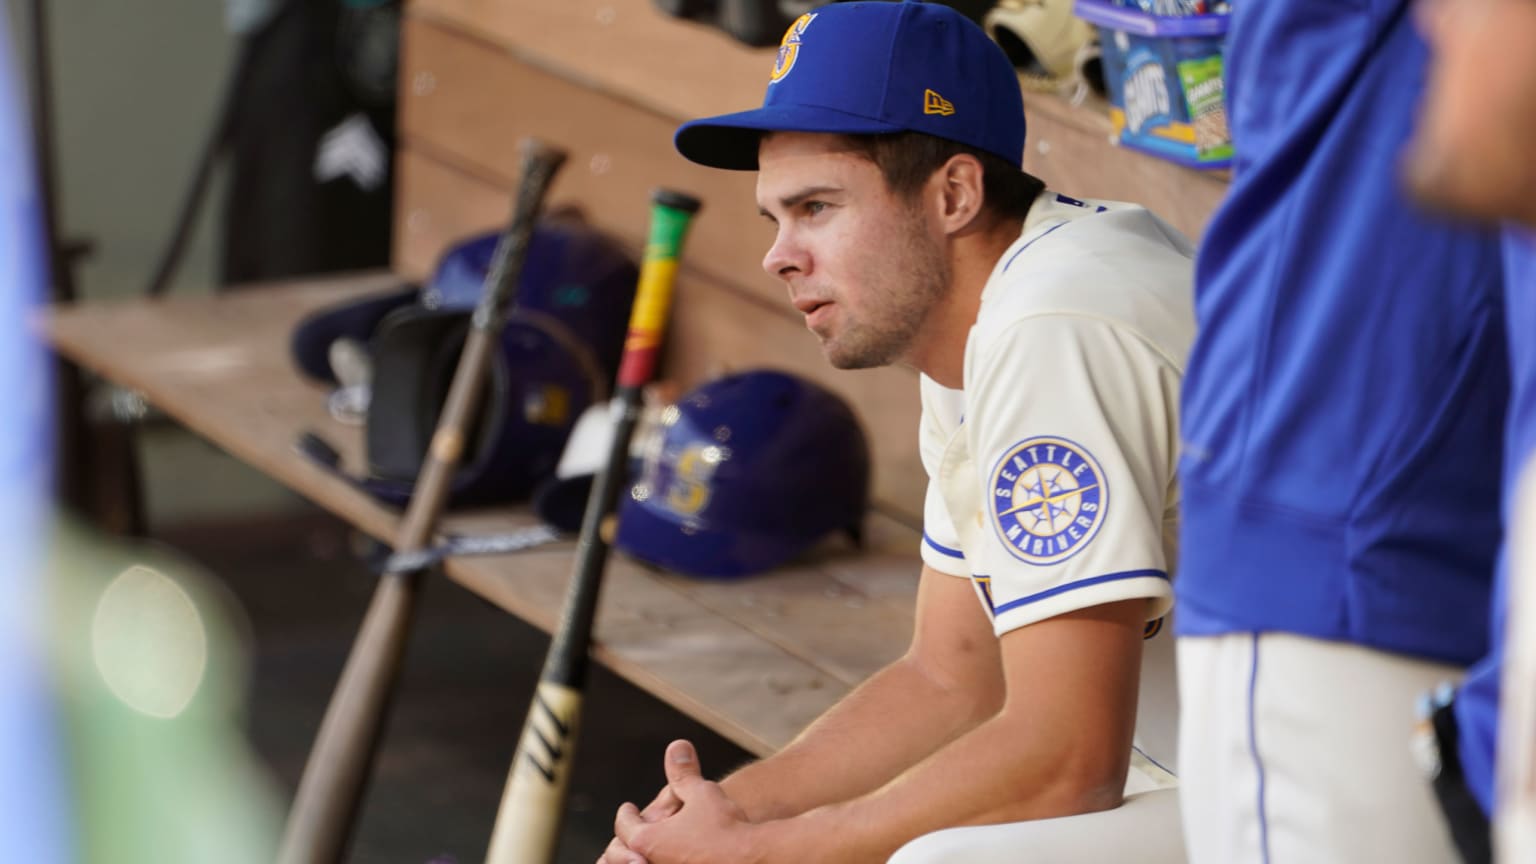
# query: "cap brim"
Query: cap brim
{"points": [[730, 140], [312, 338]]}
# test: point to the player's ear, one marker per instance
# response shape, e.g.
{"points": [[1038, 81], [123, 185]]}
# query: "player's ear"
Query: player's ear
{"points": [[960, 184]]}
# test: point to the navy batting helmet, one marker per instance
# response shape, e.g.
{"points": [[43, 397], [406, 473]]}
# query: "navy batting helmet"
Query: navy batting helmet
{"points": [[747, 472], [541, 380], [558, 354], [572, 273]]}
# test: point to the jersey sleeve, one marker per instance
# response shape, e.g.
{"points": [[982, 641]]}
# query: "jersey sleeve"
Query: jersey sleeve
{"points": [[941, 547], [1074, 444]]}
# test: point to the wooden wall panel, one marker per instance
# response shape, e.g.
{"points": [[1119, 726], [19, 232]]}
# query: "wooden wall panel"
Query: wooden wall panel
{"points": [[715, 329], [677, 69], [681, 70], [435, 205], [469, 103]]}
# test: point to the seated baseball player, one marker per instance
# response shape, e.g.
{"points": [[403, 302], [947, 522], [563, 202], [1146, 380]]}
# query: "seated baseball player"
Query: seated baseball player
{"points": [[1051, 334]]}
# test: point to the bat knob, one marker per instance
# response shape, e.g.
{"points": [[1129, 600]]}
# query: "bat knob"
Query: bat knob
{"points": [[542, 153], [676, 200]]}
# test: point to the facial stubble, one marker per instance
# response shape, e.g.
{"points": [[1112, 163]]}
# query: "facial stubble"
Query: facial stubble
{"points": [[912, 280]]}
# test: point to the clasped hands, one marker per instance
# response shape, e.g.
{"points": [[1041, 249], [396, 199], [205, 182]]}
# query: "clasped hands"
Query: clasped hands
{"points": [[692, 821]]}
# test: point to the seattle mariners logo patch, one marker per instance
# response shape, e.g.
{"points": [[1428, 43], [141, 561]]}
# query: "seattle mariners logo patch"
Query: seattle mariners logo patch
{"points": [[789, 48], [1048, 499]]}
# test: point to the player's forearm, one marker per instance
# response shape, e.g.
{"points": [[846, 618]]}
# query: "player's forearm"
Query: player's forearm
{"points": [[999, 772], [886, 725]]}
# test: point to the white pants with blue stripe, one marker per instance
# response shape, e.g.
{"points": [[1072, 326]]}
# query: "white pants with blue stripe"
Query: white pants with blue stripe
{"points": [[1297, 751]]}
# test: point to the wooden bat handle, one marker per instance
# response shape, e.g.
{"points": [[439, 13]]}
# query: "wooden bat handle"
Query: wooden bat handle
{"points": [[540, 163], [325, 807]]}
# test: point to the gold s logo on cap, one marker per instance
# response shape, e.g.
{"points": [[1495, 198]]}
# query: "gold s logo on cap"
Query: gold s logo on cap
{"points": [[548, 405], [690, 489], [933, 103], [789, 47]]}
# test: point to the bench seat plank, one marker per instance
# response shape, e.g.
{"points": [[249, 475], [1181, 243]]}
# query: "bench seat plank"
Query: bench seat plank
{"points": [[754, 660]]}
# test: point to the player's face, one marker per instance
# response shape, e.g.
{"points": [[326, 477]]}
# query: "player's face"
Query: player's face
{"points": [[862, 265], [1473, 150]]}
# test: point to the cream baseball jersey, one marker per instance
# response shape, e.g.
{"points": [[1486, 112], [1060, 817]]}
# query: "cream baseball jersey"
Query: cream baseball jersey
{"points": [[1052, 472]]}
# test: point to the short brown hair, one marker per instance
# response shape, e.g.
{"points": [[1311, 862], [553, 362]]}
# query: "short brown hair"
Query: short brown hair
{"points": [[908, 159]]}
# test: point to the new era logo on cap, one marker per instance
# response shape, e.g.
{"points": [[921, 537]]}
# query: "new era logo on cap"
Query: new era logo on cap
{"points": [[872, 67]]}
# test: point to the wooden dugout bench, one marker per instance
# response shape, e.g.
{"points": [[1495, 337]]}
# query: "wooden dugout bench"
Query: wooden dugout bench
{"points": [[609, 80], [754, 660]]}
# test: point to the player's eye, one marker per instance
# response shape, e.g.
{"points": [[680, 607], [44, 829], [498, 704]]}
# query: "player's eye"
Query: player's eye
{"points": [[814, 207]]}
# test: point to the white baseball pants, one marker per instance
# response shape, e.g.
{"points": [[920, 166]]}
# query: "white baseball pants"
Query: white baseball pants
{"points": [[1297, 751], [1144, 829]]}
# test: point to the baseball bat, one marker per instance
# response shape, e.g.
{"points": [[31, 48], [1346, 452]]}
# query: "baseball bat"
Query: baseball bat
{"points": [[325, 806], [532, 807]]}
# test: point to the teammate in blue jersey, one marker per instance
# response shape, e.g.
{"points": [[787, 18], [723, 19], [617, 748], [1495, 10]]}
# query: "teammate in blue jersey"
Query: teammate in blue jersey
{"points": [[1472, 156], [1342, 423]]}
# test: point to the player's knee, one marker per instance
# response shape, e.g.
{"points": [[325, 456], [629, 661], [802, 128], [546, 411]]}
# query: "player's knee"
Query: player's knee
{"points": [[1145, 828], [927, 849]]}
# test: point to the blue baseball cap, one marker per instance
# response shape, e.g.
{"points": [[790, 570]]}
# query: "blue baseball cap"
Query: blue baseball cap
{"points": [[875, 67]]}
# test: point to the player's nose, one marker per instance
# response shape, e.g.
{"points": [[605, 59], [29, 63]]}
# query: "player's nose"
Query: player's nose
{"points": [[786, 257]]}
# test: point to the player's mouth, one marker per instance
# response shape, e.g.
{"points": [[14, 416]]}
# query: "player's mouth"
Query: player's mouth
{"points": [[815, 311]]}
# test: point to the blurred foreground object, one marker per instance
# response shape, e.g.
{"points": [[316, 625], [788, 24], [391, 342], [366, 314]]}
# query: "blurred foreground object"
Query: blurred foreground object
{"points": [[151, 671], [1471, 150], [32, 801], [1470, 157], [1515, 820]]}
